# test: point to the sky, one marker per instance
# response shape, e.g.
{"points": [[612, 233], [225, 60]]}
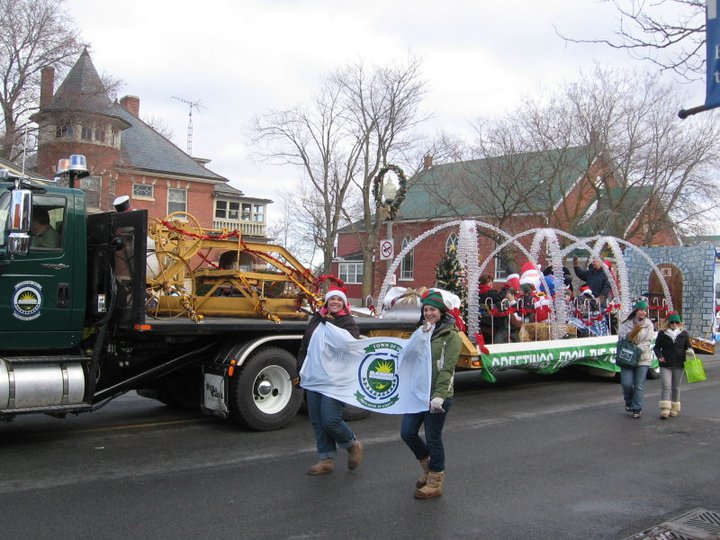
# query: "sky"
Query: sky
{"points": [[242, 58]]}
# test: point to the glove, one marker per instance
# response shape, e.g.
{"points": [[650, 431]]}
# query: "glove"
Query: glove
{"points": [[295, 381], [436, 405]]}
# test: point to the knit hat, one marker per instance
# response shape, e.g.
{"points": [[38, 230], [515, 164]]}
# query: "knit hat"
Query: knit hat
{"points": [[513, 280], [435, 299], [640, 304], [336, 291], [586, 290], [674, 317]]}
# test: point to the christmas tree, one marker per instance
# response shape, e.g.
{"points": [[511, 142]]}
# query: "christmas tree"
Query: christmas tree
{"points": [[450, 276]]}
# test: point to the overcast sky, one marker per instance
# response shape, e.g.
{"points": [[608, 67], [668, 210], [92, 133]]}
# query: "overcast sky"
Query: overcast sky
{"points": [[240, 58]]}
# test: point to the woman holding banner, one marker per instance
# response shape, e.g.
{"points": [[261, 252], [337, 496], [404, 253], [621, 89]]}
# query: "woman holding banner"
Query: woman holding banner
{"points": [[445, 344], [326, 413]]}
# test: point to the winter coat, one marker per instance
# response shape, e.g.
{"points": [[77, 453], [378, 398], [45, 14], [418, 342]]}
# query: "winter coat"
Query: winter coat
{"points": [[595, 279], [643, 339], [445, 345], [673, 351], [345, 321]]}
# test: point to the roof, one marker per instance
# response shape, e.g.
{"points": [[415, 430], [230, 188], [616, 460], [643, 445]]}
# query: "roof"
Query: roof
{"points": [[142, 147], [17, 170], [466, 188], [82, 90], [145, 149], [614, 212]]}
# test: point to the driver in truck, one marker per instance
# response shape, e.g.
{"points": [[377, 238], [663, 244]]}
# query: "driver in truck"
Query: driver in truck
{"points": [[43, 234]]}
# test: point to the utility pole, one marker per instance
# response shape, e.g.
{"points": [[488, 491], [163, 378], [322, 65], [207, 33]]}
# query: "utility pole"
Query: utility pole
{"points": [[191, 105]]}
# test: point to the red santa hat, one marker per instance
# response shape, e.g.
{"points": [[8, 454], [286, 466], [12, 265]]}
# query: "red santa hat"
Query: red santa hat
{"points": [[513, 280], [340, 292], [586, 290]]}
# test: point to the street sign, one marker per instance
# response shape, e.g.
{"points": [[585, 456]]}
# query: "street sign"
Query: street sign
{"points": [[387, 249]]}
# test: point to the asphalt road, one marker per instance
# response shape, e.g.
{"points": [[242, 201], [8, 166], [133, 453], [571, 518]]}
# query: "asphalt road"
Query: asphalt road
{"points": [[528, 457]]}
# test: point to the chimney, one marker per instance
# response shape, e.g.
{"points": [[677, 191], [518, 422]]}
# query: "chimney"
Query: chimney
{"points": [[427, 161], [47, 85], [131, 104]]}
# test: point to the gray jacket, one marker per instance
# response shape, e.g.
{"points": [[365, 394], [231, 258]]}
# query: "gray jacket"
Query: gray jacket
{"points": [[644, 338]]}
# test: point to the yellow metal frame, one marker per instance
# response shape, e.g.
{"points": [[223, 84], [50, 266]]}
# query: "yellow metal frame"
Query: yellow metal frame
{"points": [[188, 283]]}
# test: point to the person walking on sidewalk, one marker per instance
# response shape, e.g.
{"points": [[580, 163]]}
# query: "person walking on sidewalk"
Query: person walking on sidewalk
{"points": [[326, 413], [640, 330], [445, 346], [671, 347]]}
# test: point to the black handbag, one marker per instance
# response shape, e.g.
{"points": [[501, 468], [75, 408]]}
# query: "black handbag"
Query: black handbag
{"points": [[627, 354]]}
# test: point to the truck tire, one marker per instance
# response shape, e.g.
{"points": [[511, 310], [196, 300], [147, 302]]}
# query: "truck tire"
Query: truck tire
{"points": [[262, 397]]}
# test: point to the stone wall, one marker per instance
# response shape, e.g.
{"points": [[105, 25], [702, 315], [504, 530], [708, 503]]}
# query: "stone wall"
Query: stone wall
{"points": [[697, 264]]}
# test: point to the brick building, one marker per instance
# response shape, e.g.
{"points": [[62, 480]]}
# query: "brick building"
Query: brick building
{"points": [[571, 189], [126, 156]]}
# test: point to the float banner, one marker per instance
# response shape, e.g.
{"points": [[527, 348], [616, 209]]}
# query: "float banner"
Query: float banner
{"points": [[712, 42], [549, 359], [385, 375]]}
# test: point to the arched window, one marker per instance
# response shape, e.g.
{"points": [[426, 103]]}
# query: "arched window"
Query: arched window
{"points": [[408, 262], [451, 241]]}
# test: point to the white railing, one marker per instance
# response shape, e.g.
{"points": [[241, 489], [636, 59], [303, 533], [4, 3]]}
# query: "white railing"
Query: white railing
{"points": [[246, 228]]}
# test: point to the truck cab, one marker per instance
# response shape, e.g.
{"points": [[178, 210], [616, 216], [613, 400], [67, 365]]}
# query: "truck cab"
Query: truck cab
{"points": [[43, 282]]}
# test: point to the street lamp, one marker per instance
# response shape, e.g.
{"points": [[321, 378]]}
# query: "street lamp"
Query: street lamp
{"points": [[72, 168]]}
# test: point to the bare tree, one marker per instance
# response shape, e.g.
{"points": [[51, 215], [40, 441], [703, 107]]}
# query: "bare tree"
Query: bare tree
{"points": [[33, 34], [383, 106], [668, 33], [315, 140], [360, 120], [628, 119]]}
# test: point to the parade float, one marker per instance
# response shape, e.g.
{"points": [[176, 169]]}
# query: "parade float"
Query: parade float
{"points": [[571, 333]]}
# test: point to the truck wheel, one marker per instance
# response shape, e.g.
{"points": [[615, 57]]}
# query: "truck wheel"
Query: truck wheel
{"points": [[262, 398]]}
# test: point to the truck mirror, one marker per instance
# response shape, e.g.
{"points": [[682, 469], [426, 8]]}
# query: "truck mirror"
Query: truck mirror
{"points": [[20, 206]]}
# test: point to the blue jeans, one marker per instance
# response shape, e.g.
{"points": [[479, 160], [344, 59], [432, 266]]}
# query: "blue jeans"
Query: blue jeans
{"points": [[410, 429], [633, 386], [331, 431]]}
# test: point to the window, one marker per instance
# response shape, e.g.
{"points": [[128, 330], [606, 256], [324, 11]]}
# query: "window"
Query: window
{"points": [[143, 191], [177, 200], [48, 218], [227, 210], [408, 262], [259, 213], [100, 135], [64, 131], [451, 241], [92, 186], [86, 134], [350, 272], [246, 212]]}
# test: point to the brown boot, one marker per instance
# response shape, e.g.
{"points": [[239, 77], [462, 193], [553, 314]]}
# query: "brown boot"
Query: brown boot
{"points": [[423, 478], [355, 455], [433, 488], [675, 408], [323, 466], [664, 409]]}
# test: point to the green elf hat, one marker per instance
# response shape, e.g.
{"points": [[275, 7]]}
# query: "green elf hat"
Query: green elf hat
{"points": [[435, 299], [674, 317], [640, 304]]}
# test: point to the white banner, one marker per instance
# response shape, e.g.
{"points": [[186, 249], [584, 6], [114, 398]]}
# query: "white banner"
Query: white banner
{"points": [[386, 375]]}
